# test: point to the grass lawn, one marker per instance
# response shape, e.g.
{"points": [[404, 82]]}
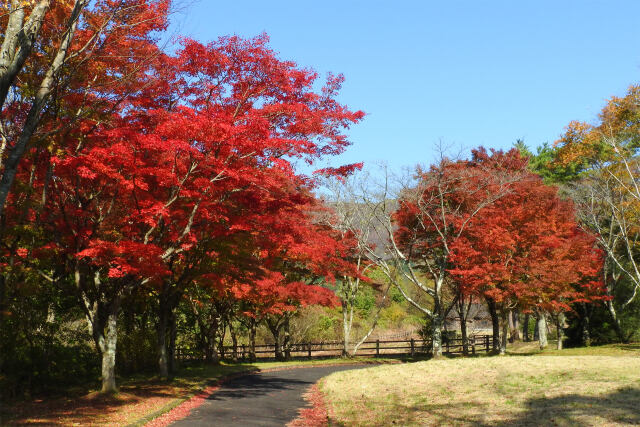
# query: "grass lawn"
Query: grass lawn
{"points": [[587, 386], [139, 399]]}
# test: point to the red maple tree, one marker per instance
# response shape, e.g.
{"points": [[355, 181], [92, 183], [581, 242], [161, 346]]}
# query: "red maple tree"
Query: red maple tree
{"points": [[526, 250]]}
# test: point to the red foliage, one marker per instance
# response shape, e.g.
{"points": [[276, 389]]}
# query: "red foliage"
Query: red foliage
{"points": [[527, 248], [500, 232]]}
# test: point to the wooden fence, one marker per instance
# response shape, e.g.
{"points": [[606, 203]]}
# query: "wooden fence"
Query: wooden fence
{"points": [[378, 348]]}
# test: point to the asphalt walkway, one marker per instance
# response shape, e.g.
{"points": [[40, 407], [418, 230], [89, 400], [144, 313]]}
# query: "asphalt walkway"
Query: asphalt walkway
{"points": [[259, 399]]}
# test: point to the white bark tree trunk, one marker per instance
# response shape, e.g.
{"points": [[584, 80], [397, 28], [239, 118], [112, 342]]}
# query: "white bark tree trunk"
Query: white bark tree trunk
{"points": [[542, 331], [347, 317], [109, 354], [436, 330], [504, 326], [33, 117]]}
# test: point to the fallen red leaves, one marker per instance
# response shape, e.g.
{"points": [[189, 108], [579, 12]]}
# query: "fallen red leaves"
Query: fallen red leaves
{"points": [[131, 404], [183, 409], [316, 415]]}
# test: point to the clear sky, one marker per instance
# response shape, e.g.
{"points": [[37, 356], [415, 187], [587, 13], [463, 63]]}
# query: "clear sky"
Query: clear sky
{"points": [[468, 73]]}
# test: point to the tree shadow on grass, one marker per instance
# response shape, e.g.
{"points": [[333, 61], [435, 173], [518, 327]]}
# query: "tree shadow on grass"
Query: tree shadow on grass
{"points": [[619, 407], [77, 410], [90, 408], [633, 347]]}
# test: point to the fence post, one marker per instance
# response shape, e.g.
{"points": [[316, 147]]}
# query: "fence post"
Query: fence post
{"points": [[244, 349], [486, 340], [413, 347], [377, 348], [309, 350], [473, 346]]}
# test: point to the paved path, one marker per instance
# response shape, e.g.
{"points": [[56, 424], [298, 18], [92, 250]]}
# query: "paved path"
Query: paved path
{"points": [[260, 399]]}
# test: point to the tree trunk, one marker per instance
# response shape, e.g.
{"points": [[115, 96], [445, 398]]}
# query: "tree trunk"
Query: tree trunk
{"points": [[542, 331], [560, 329], [525, 328], [436, 330], [211, 352], [286, 342], [504, 326], [536, 329], [19, 38], [463, 312], [514, 325], [39, 101], [163, 323], [465, 337], [278, 344], [346, 330], [223, 334], [3, 288], [252, 339], [495, 323], [234, 343], [275, 326], [109, 349], [586, 326], [172, 345], [2, 311], [616, 322]]}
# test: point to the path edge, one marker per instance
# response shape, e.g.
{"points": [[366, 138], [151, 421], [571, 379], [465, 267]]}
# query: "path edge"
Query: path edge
{"points": [[181, 407]]}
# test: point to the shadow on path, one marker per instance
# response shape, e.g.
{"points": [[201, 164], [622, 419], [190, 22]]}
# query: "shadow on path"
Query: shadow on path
{"points": [[259, 399], [255, 385]]}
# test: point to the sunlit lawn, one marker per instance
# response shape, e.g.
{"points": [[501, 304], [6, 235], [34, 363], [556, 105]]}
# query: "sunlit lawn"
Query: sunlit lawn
{"points": [[590, 386]]}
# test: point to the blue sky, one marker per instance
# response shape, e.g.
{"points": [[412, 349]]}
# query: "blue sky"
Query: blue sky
{"points": [[466, 73]]}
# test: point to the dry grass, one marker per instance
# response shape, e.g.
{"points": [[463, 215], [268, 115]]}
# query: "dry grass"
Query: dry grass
{"points": [[139, 399], [532, 349], [591, 388]]}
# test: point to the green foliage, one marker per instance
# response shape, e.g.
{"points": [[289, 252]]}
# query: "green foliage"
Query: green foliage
{"points": [[365, 300], [396, 295], [44, 342], [545, 163], [394, 316], [136, 351], [426, 331]]}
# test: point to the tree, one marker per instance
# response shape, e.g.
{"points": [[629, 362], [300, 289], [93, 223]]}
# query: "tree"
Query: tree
{"points": [[197, 155], [75, 38], [607, 196], [414, 226], [437, 212], [67, 49], [526, 251], [356, 223]]}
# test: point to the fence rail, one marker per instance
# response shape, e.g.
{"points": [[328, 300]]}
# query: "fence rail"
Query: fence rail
{"points": [[374, 348]]}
